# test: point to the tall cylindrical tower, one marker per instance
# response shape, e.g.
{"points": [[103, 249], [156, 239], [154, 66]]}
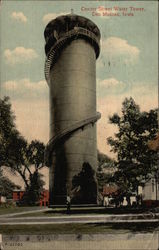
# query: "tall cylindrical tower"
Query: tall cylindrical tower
{"points": [[72, 46]]}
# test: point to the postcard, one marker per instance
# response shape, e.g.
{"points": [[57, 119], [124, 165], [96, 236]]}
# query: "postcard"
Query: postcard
{"points": [[79, 134]]}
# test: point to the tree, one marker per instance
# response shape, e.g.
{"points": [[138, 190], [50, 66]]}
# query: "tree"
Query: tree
{"points": [[7, 131], [35, 154], [104, 170], [104, 161], [6, 186], [15, 152], [35, 157], [135, 160], [34, 190], [84, 186], [29, 159]]}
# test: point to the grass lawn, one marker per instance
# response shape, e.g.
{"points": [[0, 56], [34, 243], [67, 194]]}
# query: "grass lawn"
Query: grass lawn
{"points": [[83, 211], [40, 214], [56, 212], [79, 228], [8, 210], [74, 210]]}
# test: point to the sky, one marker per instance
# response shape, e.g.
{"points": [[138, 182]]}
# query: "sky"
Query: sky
{"points": [[127, 66]]}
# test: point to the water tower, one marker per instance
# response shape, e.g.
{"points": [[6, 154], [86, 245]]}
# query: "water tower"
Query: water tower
{"points": [[72, 47]]}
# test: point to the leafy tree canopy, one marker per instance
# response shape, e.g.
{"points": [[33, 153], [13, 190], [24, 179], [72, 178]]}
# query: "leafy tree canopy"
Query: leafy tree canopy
{"points": [[84, 187], [104, 161], [8, 131], [21, 157], [104, 171], [6, 186], [135, 160]]}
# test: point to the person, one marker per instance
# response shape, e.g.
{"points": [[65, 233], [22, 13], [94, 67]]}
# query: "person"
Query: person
{"points": [[68, 203], [106, 201]]}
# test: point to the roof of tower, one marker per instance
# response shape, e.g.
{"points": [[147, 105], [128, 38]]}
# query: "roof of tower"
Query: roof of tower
{"points": [[69, 21]]}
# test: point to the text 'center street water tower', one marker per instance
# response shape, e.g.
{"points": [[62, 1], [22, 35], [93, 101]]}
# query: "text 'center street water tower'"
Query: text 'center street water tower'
{"points": [[72, 47]]}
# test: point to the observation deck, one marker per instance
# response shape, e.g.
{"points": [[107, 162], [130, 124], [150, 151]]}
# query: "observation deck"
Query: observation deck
{"points": [[64, 29]]}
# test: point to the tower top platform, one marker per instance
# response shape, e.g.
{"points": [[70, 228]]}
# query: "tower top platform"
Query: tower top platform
{"points": [[65, 29], [68, 22]]}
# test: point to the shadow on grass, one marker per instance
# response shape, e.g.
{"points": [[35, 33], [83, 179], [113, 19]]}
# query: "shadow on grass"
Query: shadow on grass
{"points": [[142, 227], [97, 210], [94, 228]]}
